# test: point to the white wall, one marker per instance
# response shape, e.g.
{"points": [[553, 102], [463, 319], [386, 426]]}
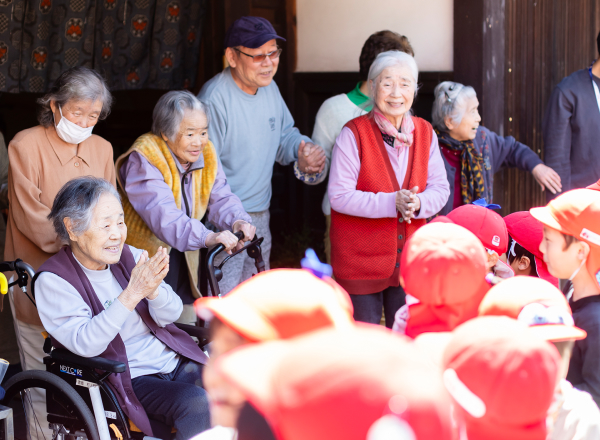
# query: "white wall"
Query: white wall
{"points": [[331, 33]]}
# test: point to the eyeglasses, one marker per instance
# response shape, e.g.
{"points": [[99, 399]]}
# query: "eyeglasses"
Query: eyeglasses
{"points": [[260, 58]]}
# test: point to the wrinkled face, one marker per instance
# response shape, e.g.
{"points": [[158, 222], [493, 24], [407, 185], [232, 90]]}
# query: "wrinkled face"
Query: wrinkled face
{"points": [[394, 91], [83, 113], [467, 129], [562, 263], [192, 137], [251, 74], [225, 400], [103, 242]]}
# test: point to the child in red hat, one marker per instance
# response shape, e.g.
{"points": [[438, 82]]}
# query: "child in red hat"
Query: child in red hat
{"points": [[278, 304], [489, 227], [571, 249], [501, 377], [443, 272], [317, 387], [535, 302], [525, 234]]}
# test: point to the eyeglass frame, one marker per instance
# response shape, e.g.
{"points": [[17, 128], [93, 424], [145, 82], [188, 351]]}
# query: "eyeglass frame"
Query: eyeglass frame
{"points": [[265, 55]]}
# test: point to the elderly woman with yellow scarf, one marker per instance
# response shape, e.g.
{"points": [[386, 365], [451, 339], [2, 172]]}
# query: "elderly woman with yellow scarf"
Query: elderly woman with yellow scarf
{"points": [[170, 178]]}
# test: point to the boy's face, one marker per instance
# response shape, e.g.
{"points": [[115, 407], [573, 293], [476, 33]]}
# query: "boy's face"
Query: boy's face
{"points": [[226, 401], [562, 263]]}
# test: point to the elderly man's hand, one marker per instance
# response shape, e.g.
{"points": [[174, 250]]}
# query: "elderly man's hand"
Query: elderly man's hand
{"points": [[408, 203], [311, 158], [146, 276], [226, 238]]}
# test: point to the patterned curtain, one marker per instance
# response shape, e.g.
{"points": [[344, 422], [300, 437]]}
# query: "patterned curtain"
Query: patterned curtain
{"points": [[135, 44]]}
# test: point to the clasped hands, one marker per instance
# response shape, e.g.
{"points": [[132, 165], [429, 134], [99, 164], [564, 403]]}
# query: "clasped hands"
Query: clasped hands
{"points": [[311, 158], [146, 276], [408, 203]]}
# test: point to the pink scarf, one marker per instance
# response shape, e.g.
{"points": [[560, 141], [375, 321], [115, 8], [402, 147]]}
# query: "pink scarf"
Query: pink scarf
{"points": [[403, 138]]}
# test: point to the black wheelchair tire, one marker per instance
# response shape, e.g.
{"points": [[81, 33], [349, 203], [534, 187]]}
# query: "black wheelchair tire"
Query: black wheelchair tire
{"points": [[48, 381]]}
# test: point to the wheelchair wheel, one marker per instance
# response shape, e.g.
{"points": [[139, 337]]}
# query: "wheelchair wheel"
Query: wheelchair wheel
{"points": [[80, 424]]}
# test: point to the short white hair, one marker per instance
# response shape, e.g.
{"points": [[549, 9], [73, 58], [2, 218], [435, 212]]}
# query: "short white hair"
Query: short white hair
{"points": [[451, 100], [170, 111], [391, 58]]}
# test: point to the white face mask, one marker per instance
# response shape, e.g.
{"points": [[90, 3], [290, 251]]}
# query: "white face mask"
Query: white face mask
{"points": [[71, 132]]}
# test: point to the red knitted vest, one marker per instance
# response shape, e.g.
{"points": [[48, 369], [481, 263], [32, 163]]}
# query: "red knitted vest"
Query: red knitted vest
{"points": [[365, 252]]}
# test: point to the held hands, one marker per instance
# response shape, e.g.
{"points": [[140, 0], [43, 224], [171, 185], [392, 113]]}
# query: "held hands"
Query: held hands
{"points": [[407, 203], [547, 178], [311, 158], [146, 276]]}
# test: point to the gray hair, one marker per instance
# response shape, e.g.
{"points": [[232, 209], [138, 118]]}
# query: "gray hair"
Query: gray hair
{"points": [[79, 84], [76, 200], [391, 58], [451, 100], [170, 110]]}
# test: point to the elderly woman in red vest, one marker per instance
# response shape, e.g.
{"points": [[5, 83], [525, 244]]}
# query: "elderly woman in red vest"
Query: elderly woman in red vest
{"points": [[387, 176]]}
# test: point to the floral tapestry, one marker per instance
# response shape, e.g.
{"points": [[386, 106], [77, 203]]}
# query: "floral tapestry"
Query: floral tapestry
{"points": [[134, 44]]}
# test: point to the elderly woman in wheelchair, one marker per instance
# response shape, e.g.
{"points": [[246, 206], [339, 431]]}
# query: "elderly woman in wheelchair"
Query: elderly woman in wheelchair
{"points": [[100, 297]]}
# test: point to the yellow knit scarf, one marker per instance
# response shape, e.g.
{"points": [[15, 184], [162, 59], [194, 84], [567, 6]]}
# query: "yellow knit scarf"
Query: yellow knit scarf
{"points": [[157, 152]]}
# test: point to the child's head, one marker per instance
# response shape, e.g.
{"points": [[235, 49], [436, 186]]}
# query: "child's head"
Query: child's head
{"points": [[487, 225], [444, 267], [524, 255], [572, 235], [278, 304], [540, 305], [336, 384], [502, 378]]}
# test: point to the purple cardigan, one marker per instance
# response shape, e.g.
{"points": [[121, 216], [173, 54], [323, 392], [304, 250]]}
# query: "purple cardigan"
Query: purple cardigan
{"points": [[63, 264]]}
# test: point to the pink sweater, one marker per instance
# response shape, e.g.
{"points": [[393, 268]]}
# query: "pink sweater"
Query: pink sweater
{"points": [[345, 166]]}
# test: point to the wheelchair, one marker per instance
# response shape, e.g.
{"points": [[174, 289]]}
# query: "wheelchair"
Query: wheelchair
{"points": [[79, 400]]}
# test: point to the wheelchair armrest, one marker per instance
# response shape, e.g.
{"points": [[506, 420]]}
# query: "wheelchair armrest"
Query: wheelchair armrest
{"points": [[199, 332], [91, 362]]}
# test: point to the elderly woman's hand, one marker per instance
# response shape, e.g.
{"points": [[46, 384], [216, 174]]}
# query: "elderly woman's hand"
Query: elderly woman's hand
{"points": [[248, 229], [146, 276], [407, 203], [226, 238]]}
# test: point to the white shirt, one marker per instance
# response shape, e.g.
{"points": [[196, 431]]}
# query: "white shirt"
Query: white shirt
{"points": [[69, 320]]}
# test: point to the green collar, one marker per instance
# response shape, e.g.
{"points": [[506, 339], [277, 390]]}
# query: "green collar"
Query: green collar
{"points": [[358, 98]]}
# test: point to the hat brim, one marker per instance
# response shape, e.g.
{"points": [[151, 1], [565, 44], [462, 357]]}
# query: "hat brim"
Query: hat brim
{"points": [[544, 215], [558, 332], [236, 314], [262, 39]]}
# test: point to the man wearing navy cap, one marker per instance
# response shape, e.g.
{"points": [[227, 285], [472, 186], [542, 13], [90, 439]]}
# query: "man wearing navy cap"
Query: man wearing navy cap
{"points": [[252, 128]]}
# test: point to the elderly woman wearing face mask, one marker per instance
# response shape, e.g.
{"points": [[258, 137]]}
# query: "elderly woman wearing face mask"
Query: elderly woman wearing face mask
{"points": [[473, 154], [42, 159], [387, 176], [170, 178]]}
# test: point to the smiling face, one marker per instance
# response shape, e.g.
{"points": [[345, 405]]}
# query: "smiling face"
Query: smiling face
{"points": [[394, 91], [248, 75], [562, 261], [191, 138], [225, 400], [103, 241], [467, 129], [83, 113]]}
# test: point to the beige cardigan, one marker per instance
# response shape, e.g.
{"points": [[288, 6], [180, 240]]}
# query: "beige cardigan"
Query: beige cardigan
{"points": [[40, 164]]}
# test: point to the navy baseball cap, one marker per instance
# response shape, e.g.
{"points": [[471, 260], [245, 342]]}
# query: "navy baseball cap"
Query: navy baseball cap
{"points": [[250, 32]]}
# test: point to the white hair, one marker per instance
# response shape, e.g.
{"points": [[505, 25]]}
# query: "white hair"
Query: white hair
{"points": [[451, 100], [391, 58], [170, 110]]}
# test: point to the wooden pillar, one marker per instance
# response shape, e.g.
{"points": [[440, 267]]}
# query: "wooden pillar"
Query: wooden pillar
{"points": [[480, 60]]}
